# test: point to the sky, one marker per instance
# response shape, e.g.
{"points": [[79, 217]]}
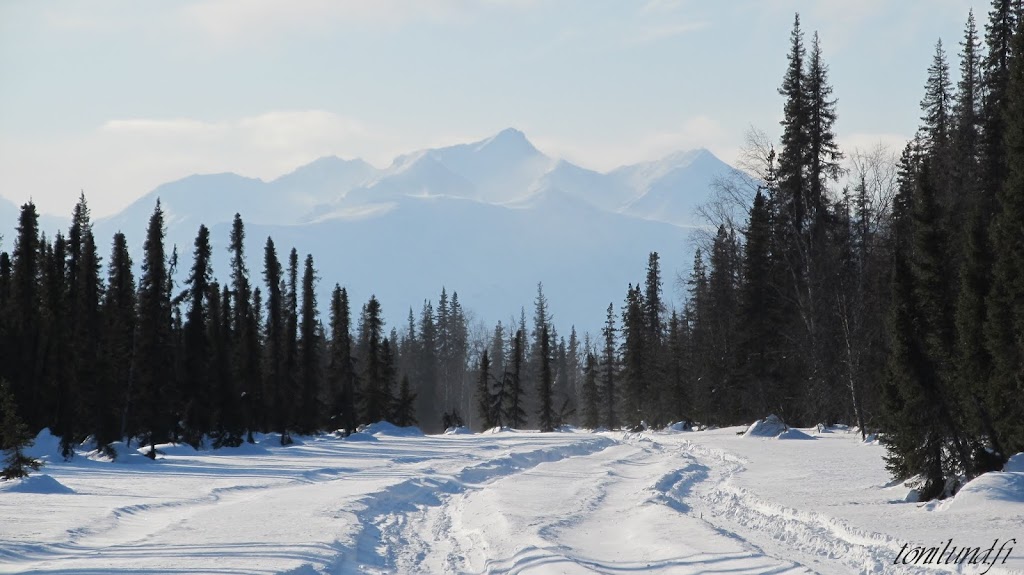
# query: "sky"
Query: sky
{"points": [[115, 97]]}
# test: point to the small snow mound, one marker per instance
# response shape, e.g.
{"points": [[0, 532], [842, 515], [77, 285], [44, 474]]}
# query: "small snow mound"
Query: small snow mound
{"points": [[361, 436], [1016, 463], [458, 431], [388, 429], [771, 426], [500, 429], [793, 434], [45, 444], [39, 484], [680, 426]]}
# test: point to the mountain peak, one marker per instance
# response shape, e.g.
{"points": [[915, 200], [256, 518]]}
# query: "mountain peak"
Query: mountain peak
{"points": [[510, 139]]}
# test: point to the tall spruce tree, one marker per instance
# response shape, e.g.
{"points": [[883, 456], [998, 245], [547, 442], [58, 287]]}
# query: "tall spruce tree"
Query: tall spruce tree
{"points": [[246, 353], [488, 404], [59, 373], [376, 398], [590, 399], [428, 369], [516, 412], [153, 364], [609, 370], [545, 384], [25, 323], [117, 347], [196, 395], [758, 319], [341, 371], [276, 397], [309, 352], [635, 360]]}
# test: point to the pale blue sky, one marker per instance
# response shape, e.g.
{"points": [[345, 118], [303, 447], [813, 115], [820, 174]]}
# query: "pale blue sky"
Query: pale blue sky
{"points": [[116, 97]]}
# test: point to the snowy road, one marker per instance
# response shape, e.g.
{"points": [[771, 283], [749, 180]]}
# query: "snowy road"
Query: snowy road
{"points": [[509, 502], [623, 510]]}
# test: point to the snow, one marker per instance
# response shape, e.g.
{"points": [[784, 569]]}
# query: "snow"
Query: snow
{"points": [[392, 500], [40, 484], [771, 426]]}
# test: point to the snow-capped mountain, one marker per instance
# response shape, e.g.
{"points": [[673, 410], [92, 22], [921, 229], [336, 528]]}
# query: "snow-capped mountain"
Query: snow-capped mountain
{"points": [[489, 219]]}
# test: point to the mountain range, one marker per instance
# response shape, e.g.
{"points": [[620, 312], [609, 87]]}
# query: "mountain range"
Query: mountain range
{"points": [[488, 219]]}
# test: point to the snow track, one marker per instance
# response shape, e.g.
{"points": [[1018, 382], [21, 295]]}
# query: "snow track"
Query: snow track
{"points": [[393, 502], [825, 544], [621, 510]]}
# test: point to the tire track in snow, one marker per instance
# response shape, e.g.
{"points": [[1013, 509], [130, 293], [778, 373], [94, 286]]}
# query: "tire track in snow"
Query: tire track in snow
{"points": [[827, 544], [386, 533], [605, 513]]}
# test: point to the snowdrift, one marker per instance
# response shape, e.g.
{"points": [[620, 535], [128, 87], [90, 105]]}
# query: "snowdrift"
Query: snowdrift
{"points": [[38, 484], [994, 490], [384, 428], [773, 427]]}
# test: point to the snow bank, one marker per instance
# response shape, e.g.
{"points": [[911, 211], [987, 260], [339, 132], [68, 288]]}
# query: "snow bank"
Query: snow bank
{"points": [[773, 427], [993, 489], [39, 484], [384, 428], [1015, 464], [458, 431], [770, 426], [680, 426], [792, 433]]}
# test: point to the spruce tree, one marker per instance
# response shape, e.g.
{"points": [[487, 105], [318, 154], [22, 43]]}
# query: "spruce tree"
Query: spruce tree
{"points": [[14, 438], [405, 406], [375, 397], [591, 394], [758, 319], [515, 412], [275, 390], [60, 368], [153, 365], [678, 399], [487, 406], [117, 347], [24, 321], [545, 390], [246, 352], [999, 32], [85, 292], [609, 369], [341, 375], [196, 395], [795, 147], [309, 346], [635, 361], [428, 370]]}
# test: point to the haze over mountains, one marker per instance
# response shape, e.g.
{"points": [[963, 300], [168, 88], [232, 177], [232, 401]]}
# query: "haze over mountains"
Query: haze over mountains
{"points": [[487, 219]]}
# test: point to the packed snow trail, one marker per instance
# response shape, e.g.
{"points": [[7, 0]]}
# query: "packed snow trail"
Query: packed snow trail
{"points": [[304, 509], [621, 510], [392, 501]]}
